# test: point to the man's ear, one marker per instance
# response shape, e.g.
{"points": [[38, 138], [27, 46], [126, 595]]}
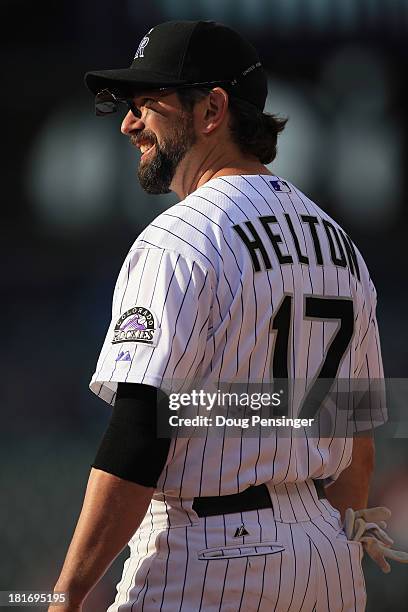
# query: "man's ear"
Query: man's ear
{"points": [[215, 110]]}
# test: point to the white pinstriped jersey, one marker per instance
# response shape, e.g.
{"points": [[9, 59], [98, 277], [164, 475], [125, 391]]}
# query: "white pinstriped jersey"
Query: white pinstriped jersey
{"points": [[198, 297]]}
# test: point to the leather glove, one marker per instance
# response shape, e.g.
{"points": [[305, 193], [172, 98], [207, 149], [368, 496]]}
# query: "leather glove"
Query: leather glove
{"points": [[368, 527]]}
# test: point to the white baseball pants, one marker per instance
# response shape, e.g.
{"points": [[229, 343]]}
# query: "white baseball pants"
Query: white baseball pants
{"points": [[293, 558]]}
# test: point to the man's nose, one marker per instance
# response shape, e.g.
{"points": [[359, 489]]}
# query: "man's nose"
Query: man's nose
{"points": [[131, 123]]}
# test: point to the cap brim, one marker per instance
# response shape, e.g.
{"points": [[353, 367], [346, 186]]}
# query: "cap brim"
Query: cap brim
{"points": [[128, 78]]}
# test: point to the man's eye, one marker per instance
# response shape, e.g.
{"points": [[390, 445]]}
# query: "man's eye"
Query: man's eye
{"points": [[145, 103]]}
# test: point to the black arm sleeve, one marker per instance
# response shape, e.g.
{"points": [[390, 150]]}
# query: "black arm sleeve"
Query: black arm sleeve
{"points": [[130, 448]]}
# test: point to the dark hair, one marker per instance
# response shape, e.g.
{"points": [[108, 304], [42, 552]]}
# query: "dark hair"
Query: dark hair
{"points": [[255, 132]]}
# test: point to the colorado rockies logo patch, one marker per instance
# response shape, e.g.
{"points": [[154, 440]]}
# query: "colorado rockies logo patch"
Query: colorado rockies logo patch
{"points": [[136, 325]]}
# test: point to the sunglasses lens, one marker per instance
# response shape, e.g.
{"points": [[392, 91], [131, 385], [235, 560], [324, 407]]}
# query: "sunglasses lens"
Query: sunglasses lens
{"points": [[105, 108], [132, 107], [105, 103]]}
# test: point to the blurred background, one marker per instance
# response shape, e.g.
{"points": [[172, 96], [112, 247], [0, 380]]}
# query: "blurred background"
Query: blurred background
{"points": [[72, 208]]}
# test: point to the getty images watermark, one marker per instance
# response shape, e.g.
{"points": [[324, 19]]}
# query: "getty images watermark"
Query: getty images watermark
{"points": [[317, 408], [240, 410], [209, 400]]}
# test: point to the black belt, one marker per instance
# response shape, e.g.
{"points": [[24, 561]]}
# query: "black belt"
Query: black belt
{"points": [[253, 498]]}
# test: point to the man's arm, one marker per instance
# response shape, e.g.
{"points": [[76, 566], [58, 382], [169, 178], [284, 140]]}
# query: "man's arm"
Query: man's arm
{"points": [[351, 488], [113, 509]]}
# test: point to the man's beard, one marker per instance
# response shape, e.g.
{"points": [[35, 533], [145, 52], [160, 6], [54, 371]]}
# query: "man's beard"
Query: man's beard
{"points": [[156, 175]]}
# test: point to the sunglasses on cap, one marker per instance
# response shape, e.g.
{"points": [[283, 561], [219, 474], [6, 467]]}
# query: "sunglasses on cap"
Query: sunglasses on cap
{"points": [[107, 102]]}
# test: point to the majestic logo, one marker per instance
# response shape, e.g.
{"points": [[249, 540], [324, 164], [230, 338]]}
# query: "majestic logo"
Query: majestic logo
{"points": [[135, 325], [281, 186], [123, 356], [142, 45], [241, 532]]}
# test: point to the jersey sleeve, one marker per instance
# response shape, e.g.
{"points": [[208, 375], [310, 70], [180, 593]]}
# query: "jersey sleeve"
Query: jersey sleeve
{"points": [[370, 408], [160, 315]]}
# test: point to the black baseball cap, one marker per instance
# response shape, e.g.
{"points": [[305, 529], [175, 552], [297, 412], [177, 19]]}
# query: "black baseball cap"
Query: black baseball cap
{"points": [[177, 53]]}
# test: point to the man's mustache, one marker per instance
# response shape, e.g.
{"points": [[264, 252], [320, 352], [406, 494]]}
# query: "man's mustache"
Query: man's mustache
{"points": [[145, 137]]}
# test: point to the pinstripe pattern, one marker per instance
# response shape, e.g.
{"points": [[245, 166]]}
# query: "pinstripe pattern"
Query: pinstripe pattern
{"points": [[310, 564], [214, 271]]}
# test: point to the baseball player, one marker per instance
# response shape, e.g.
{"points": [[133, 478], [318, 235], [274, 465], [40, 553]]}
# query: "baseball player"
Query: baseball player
{"points": [[245, 281]]}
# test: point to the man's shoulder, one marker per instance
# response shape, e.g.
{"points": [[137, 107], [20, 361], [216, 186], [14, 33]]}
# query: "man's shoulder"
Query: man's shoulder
{"points": [[338, 237], [217, 205], [184, 229]]}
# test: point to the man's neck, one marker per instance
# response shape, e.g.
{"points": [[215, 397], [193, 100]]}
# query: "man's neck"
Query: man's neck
{"points": [[256, 168], [190, 178]]}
